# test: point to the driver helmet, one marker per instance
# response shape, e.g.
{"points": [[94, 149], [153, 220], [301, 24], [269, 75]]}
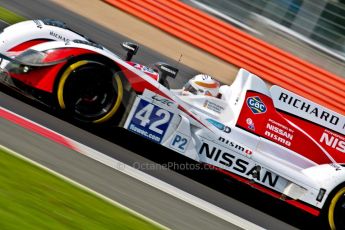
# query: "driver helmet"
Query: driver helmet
{"points": [[202, 84]]}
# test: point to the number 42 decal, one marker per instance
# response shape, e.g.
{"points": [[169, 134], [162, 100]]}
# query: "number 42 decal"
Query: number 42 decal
{"points": [[150, 121], [147, 114]]}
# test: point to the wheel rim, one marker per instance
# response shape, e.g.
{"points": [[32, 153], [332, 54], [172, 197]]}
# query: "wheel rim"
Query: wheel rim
{"points": [[90, 92], [336, 215]]}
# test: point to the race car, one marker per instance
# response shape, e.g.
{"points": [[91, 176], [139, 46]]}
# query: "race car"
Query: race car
{"points": [[276, 141]]}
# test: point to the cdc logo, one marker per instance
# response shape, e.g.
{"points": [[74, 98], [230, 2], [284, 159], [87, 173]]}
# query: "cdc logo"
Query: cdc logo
{"points": [[256, 105]]}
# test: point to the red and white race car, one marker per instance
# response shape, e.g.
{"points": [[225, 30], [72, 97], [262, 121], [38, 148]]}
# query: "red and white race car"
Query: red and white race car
{"points": [[283, 144]]}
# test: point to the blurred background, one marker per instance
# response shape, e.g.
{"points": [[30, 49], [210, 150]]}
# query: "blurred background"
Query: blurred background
{"points": [[312, 30]]}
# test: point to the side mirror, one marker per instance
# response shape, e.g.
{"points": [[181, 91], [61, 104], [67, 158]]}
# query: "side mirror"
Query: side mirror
{"points": [[165, 70], [131, 49]]}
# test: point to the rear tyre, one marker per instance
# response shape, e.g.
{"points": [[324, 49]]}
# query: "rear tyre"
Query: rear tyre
{"points": [[336, 210], [89, 91]]}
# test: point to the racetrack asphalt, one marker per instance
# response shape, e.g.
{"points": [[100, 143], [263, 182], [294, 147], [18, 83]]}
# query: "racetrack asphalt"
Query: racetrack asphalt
{"points": [[111, 183], [144, 199]]}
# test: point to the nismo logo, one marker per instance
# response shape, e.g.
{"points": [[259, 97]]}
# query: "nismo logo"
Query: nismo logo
{"points": [[256, 105]]}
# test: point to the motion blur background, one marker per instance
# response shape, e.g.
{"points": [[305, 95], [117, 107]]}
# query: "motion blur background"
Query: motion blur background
{"points": [[311, 29]]}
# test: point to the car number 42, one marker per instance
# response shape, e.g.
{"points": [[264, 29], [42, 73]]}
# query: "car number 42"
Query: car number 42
{"points": [[147, 116], [150, 121]]}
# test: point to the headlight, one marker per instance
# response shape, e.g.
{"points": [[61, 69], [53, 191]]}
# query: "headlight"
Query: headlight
{"points": [[39, 58], [16, 68], [22, 63], [29, 59]]}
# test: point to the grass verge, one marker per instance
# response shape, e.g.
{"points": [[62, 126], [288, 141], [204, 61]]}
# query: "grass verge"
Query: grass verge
{"points": [[31, 198], [9, 16]]}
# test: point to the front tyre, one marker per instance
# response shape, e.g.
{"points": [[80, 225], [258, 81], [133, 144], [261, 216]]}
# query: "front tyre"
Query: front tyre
{"points": [[336, 210], [89, 91]]}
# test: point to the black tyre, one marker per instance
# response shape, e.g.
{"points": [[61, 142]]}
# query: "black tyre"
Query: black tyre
{"points": [[336, 210], [89, 91]]}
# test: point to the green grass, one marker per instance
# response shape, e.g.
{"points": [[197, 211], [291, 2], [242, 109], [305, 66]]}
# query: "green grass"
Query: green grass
{"points": [[9, 16], [31, 198]]}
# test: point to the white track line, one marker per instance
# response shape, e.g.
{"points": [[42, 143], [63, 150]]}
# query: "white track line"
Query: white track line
{"points": [[167, 188], [150, 180]]}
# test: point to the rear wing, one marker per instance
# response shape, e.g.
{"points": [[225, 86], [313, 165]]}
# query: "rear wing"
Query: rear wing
{"points": [[323, 125]]}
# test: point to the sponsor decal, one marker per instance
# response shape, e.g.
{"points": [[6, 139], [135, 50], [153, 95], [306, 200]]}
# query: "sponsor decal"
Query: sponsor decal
{"points": [[235, 147], [250, 124], [312, 110], [38, 24], [179, 142], [336, 166], [144, 69], [168, 70], [279, 133], [58, 36], [213, 106], [150, 121], [237, 165], [162, 100], [125, 44], [219, 125], [256, 105], [333, 140]]}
